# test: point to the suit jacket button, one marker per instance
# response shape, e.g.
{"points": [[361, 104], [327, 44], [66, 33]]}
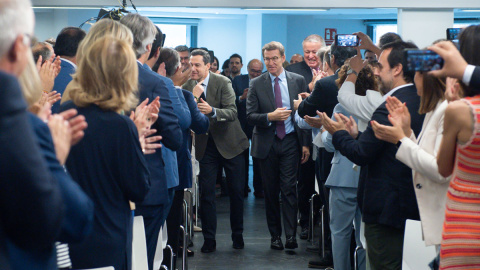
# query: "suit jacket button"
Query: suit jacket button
{"points": [[419, 186]]}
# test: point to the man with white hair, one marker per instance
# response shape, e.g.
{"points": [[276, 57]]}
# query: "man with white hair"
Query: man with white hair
{"points": [[156, 205], [31, 205]]}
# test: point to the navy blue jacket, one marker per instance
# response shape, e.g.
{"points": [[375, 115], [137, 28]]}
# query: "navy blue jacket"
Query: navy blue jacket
{"points": [[239, 84], [167, 126], [61, 82], [199, 125], [388, 195], [31, 206]]}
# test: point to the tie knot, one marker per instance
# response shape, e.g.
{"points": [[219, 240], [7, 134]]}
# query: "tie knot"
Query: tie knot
{"points": [[277, 79]]}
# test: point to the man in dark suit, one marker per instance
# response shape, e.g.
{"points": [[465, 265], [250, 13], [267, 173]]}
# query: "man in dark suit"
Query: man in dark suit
{"points": [[236, 65], [31, 207], [151, 86], [306, 172], [240, 85], [275, 142], [66, 46], [389, 198], [222, 145], [324, 99]]}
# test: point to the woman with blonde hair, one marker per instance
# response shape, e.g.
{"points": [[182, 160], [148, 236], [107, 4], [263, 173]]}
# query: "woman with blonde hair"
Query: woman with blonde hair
{"points": [[108, 163]]}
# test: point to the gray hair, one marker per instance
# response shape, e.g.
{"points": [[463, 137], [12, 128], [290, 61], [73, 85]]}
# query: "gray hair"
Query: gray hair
{"points": [[321, 52], [314, 39], [182, 48], [171, 58], [143, 31], [274, 45], [41, 48], [202, 52], [16, 18]]}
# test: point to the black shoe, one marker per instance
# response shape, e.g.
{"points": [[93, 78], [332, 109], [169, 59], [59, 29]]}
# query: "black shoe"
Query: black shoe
{"points": [[304, 233], [324, 263], [209, 246], [276, 243], [238, 241], [259, 194], [291, 242], [190, 253]]}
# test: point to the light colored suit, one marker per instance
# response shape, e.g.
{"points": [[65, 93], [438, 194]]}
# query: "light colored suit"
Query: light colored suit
{"points": [[343, 182], [430, 186]]}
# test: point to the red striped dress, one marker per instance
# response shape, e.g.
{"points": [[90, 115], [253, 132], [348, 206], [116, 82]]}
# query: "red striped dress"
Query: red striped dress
{"points": [[461, 230]]}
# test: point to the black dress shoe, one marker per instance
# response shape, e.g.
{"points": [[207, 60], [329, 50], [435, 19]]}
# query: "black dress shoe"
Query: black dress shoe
{"points": [[209, 246], [324, 263], [304, 233], [238, 241], [291, 242], [190, 253], [276, 243]]}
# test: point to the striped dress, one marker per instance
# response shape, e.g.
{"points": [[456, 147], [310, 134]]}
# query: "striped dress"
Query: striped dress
{"points": [[461, 230]]}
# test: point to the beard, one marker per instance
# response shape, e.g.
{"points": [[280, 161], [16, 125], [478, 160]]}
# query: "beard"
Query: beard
{"points": [[384, 86]]}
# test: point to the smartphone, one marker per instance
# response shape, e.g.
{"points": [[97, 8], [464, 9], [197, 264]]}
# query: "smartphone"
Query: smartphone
{"points": [[422, 60], [346, 40], [452, 34]]}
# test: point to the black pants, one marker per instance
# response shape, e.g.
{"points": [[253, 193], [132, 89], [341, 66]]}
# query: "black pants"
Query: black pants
{"points": [[279, 175], [384, 246], [324, 164], [306, 188], [153, 221], [234, 170], [174, 220]]}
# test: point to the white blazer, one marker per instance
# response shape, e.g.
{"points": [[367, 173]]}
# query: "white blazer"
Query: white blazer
{"points": [[361, 107], [430, 187]]}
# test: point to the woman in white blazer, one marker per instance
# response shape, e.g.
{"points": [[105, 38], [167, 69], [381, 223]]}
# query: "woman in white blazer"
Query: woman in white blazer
{"points": [[420, 153]]}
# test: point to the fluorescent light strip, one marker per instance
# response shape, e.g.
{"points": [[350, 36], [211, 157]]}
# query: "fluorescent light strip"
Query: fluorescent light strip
{"points": [[284, 9], [63, 7], [471, 10]]}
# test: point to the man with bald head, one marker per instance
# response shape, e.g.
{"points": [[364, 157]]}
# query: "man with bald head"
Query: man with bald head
{"points": [[240, 85], [296, 58]]}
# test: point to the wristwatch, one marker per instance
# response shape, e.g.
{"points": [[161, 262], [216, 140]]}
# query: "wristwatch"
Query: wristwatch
{"points": [[350, 71]]}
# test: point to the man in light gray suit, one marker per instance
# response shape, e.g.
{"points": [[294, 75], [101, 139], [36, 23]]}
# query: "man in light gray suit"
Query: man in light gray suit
{"points": [[222, 145], [275, 142]]}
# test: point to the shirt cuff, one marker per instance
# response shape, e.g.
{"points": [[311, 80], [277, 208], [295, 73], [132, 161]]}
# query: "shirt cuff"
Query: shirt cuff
{"points": [[467, 75], [214, 113]]}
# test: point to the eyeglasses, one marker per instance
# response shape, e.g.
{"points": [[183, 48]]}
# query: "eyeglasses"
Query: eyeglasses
{"points": [[274, 59]]}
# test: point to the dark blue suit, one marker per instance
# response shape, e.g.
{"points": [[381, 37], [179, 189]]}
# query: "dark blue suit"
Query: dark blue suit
{"points": [[31, 206], [153, 208], [61, 82]]}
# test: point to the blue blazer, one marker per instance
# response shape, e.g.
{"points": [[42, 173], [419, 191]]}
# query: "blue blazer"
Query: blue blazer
{"points": [[31, 205], [167, 126], [199, 125], [342, 173], [239, 84], [61, 82], [183, 115], [387, 190]]}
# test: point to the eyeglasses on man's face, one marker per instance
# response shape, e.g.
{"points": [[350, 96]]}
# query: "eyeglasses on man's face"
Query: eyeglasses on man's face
{"points": [[274, 59]]}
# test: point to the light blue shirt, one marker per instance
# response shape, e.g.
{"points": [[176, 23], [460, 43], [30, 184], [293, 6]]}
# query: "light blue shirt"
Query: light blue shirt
{"points": [[205, 82], [285, 99]]}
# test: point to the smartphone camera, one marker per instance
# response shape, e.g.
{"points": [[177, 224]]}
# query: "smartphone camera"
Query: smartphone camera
{"points": [[452, 34], [346, 40], [423, 60]]}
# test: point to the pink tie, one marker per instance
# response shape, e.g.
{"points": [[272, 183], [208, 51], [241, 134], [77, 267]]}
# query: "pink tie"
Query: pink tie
{"points": [[278, 102]]}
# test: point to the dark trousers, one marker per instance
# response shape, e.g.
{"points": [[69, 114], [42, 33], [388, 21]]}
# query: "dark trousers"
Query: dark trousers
{"points": [[306, 188], [234, 170], [324, 165], [384, 246], [257, 179], [279, 175], [153, 221], [174, 220]]}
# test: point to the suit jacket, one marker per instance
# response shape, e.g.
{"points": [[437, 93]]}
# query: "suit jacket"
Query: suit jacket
{"points": [[342, 173], [199, 125], [31, 206], [183, 116], [167, 126], [109, 165], [61, 82], [323, 97], [388, 198], [475, 80], [430, 187], [301, 68], [239, 84], [225, 128], [260, 102]]}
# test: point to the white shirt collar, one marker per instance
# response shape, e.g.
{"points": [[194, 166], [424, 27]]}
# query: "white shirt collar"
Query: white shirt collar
{"points": [[70, 62], [394, 90], [206, 80]]}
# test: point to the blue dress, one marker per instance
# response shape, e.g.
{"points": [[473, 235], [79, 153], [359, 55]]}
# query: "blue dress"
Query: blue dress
{"points": [[109, 165]]}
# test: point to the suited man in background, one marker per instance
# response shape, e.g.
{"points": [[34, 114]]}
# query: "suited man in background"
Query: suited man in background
{"points": [[389, 198], [154, 207], [240, 85], [222, 145], [275, 142], [236, 65], [66, 47]]}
